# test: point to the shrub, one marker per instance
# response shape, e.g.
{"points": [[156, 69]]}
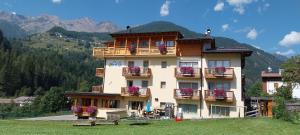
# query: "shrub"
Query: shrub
{"points": [[135, 70], [92, 110], [133, 90]]}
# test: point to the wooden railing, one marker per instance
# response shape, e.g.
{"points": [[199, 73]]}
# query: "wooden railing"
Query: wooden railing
{"points": [[142, 92], [100, 72], [143, 72], [97, 89], [210, 95], [100, 52], [195, 95], [212, 73], [195, 73]]}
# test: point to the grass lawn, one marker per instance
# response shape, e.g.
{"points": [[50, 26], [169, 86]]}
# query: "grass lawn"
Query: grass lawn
{"points": [[262, 126]]}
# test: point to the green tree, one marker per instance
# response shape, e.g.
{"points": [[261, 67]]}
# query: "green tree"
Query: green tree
{"points": [[256, 90], [53, 101], [291, 72]]}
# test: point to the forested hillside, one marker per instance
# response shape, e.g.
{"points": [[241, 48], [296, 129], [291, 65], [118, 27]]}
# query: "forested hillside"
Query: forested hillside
{"points": [[28, 71]]}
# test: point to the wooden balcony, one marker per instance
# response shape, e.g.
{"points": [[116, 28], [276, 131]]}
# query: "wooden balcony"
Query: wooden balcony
{"points": [[211, 95], [100, 72], [180, 95], [142, 92], [213, 73], [97, 89], [181, 73], [100, 52], [136, 72]]}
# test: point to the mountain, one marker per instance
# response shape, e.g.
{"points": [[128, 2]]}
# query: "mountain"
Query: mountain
{"points": [[11, 30], [258, 61], [44, 23]]}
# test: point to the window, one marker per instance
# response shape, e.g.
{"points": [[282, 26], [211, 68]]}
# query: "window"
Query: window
{"points": [[170, 43], [188, 108], [163, 64], [220, 111], [122, 44], [218, 63], [219, 85], [130, 63], [276, 85], [192, 85], [106, 103], [162, 85], [133, 44], [135, 105], [145, 63], [206, 46], [85, 102], [188, 64], [144, 84], [144, 44], [157, 43], [129, 83]]}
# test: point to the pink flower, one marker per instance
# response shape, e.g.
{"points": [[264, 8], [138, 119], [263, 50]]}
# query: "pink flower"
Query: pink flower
{"points": [[186, 91], [91, 110], [77, 109], [133, 90]]}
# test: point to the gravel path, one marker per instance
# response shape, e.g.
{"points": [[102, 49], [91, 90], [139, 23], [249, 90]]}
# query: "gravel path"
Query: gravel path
{"points": [[61, 117]]}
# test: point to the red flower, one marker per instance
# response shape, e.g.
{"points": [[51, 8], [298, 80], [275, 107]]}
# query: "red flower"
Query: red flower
{"points": [[162, 48], [133, 90], [220, 93], [135, 70], [186, 91], [187, 71], [77, 109], [91, 110]]}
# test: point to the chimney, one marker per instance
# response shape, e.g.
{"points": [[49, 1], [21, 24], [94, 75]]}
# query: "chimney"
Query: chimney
{"points": [[269, 69], [128, 29], [208, 31]]}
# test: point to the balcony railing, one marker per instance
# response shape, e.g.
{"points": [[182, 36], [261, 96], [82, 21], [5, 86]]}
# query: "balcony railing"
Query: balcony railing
{"points": [[136, 72], [221, 72], [186, 94], [97, 89], [141, 92], [100, 72], [100, 52], [187, 72], [219, 95]]}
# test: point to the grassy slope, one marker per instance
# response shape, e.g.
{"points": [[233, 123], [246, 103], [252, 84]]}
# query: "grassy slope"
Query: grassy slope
{"points": [[203, 127]]}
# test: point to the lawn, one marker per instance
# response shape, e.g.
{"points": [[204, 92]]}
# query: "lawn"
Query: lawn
{"points": [[262, 126]]}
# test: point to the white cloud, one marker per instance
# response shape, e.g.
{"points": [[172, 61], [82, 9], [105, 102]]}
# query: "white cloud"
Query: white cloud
{"points": [[293, 38], [286, 53], [13, 13], [56, 1], [225, 27], [117, 1], [235, 20], [258, 47], [252, 34], [239, 5], [164, 9], [263, 8], [219, 6]]}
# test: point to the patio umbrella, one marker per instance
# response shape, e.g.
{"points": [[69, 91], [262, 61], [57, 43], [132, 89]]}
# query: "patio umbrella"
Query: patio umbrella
{"points": [[148, 106]]}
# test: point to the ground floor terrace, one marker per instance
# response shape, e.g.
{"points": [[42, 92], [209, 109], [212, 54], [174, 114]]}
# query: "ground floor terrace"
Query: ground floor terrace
{"points": [[128, 105]]}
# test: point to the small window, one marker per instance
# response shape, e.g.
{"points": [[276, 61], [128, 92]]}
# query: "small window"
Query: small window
{"points": [[162, 85], [144, 44], [129, 83], [220, 111], [130, 63], [145, 63], [144, 84], [163, 64], [188, 108], [106, 103], [157, 43], [170, 43], [276, 85]]}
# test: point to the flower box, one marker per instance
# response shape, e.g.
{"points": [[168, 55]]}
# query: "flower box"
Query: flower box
{"points": [[219, 93], [132, 49], [220, 70], [162, 49], [133, 90], [135, 71], [186, 71], [186, 91], [77, 109], [92, 110]]}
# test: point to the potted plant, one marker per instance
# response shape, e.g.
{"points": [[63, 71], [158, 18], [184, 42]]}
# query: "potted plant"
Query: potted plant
{"points": [[219, 93], [91, 110], [135, 71], [187, 71], [133, 90], [132, 49], [162, 48], [186, 91], [220, 70], [77, 109]]}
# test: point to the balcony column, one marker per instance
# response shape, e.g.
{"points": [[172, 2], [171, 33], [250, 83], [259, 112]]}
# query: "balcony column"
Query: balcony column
{"points": [[114, 46], [75, 101], [126, 45], [149, 45], [92, 102], [137, 45]]}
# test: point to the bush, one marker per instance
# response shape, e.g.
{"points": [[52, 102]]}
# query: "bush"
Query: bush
{"points": [[53, 101]]}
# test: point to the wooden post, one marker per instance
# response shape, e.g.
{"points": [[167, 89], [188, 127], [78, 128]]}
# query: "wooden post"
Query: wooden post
{"points": [[92, 102], [75, 101], [137, 45], [126, 45], [149, 45], [114, 46]]}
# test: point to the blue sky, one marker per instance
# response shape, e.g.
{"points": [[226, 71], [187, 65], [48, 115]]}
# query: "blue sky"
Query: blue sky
{"points": [[272, 25]]}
